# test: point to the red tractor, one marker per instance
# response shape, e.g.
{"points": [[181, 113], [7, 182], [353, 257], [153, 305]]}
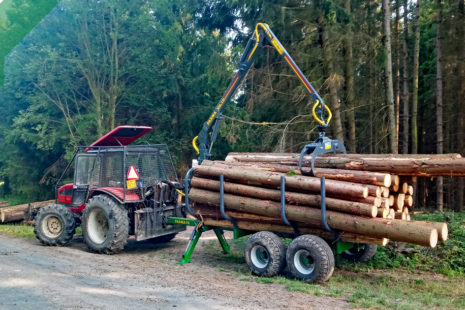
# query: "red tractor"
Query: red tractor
{"points": [[118, 190]]}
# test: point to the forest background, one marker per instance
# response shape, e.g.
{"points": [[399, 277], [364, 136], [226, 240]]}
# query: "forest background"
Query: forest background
{"points": [[393, 73]]}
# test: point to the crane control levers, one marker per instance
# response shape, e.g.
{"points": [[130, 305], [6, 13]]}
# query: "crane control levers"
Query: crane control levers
{"points": [[262, 35]]}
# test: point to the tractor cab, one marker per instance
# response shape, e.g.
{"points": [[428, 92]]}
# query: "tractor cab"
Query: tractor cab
{"points": [[110, 165], [111, 177]]}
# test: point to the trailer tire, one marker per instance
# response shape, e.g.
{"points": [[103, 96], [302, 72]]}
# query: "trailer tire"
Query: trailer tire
{"points": [[164, 239], [54, 225], [265, 254], [360, 254], [105, 225], [309, 258]]}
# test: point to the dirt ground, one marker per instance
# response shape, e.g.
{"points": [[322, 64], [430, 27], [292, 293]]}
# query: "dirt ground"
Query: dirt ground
{"points": [[144, 276]]}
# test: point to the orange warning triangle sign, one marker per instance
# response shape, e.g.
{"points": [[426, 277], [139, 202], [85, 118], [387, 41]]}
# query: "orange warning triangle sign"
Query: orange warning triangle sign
{"points": [[132, 174]]}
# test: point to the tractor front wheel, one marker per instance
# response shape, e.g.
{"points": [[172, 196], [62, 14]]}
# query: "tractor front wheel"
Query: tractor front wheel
{"points": [[105, 225], [54, 225]]}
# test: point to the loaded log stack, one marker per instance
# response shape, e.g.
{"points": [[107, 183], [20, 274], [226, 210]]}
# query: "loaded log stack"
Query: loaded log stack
{"points": [[368, 197]]}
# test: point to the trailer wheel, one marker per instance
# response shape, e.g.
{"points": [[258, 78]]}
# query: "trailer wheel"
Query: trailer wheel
{"points": [[54, 225], [360, 253], [309, 258], [105, 225], [265, 254]]}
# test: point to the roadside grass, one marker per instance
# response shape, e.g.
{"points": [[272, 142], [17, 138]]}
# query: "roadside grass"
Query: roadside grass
{"points": [[398, 277], [25, 231], [17, 230]]}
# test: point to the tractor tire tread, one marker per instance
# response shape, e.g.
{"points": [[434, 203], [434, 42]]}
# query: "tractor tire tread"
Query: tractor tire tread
{"points": [[275, 247], [68, 224], [322, 255], [118, 214]]}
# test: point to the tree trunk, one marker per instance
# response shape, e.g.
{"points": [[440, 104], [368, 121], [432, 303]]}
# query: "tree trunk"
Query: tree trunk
{"points": [[405, 91], [439, 132], [388, 76], [396, 230], [397, 66], [333, 84], [349, 73], [461, 101], [416, 59]]}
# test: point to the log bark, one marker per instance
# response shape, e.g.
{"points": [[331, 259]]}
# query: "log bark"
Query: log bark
{"points": [[414, 166], [351, 207], [373, 227], [355, 176], [253, 226], [276, 157], [272, 179]]}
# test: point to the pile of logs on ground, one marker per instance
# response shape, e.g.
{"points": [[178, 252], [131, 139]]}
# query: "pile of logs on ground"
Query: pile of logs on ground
{"points": [[17, 213], [368, 197]]}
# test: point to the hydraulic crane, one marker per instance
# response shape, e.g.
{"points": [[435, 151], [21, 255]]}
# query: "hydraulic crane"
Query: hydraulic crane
{"points": [[263, 35]]}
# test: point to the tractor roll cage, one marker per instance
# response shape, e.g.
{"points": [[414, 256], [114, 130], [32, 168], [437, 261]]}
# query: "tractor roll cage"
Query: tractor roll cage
{"points": [[153, 163]]}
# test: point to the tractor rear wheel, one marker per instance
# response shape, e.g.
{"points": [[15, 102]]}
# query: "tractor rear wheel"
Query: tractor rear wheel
{"points": [[54, 225], [105, 225]]}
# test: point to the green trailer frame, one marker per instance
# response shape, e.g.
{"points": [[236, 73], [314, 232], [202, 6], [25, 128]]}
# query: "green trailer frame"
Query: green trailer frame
{"points": [[338, 247]]}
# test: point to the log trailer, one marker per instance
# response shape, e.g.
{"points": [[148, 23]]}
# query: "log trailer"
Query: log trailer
{"points": [[308, 257], [121, 190]]}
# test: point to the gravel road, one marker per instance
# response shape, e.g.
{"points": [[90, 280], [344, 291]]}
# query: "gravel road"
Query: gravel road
{"points": [[144, 276]]}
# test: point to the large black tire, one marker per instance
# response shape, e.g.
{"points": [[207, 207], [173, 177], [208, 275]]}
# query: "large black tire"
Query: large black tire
{"points": [[360, 253], [265, 254], [163, 239], [309, 258], [105, 225], [54, 225]]}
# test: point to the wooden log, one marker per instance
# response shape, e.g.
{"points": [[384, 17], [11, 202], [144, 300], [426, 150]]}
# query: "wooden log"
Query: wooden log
{"points": [[391, 200], [410, 190], [405, 210], [392, 214], [253, 226], [408, 201], [403, 188], [291, 197], [375, 201], [408, 217], [373, 227], [355, 176], [394, 188], [399, 202], [385, 192], [334, 188], [383, 213], [423, 165], [395, 180], [443, 231], [4, 204], [374, 190], [400, 215], [11, 214], [276, 157], [385, 203]]}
